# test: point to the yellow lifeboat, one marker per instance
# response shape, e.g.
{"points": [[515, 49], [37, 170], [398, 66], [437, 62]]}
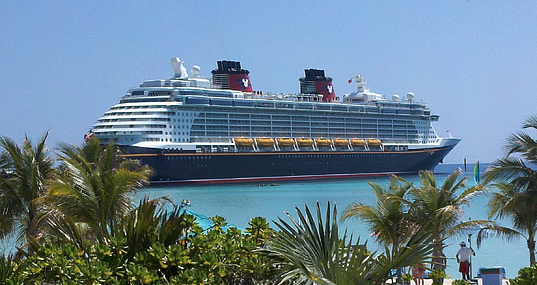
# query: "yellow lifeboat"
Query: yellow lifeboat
{"points": [[286, 142], [321, 142], [265, 142], [374, 142], [357, 142], [305, 142], [244, 142], [341, 142]]}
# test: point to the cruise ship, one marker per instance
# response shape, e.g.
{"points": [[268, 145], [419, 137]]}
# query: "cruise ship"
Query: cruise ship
{"points": [[191, 129]]}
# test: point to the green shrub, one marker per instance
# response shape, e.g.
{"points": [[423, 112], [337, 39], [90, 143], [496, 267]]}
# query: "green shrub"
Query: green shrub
{"points": [[8, 270], [407, 277], [526, 275], [437, 275], [214, 256]]}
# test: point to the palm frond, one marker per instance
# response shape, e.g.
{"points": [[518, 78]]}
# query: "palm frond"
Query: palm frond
{"points": [[516, 185], [523, 144], [313, 256], [530, 122], [471, 227], [96, 188], [509, 169], [67, 230], [497, 231]]}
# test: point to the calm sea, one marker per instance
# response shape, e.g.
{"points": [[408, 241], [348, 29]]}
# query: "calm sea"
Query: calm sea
{"points": [[238, 203]]}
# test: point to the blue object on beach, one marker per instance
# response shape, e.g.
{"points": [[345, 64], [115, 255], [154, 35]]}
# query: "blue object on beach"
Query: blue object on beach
{"points": [[493, 268]]}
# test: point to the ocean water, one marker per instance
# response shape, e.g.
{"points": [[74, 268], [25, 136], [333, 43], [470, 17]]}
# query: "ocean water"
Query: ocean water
{"points": [[238, 203]]}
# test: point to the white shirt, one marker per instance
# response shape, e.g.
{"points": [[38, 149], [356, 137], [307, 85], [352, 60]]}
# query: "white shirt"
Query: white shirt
{"points": [[464, 253]]}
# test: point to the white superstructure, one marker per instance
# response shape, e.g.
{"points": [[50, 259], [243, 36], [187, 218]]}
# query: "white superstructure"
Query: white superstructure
{"points": [[188, 112]]}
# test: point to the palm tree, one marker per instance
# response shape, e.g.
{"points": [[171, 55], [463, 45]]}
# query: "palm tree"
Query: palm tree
{"points": [[516, 179], [20, 211], [150, 222], [389, 220], [440, 208], [312, 252], [95, 189], [520, 207]]}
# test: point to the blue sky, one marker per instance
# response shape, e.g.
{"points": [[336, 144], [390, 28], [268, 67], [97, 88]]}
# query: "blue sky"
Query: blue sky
{"points": [[63, 64]]}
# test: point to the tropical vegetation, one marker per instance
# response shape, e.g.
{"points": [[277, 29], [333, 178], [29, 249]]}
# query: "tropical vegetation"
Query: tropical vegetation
{"points": [[459, 282], [75, 221], [526, 275], [440, 208], [214, 256], [311, 251], [78, 224], [514, 179], [389, 219], [403, 208], [94, 191], [20, 211]]}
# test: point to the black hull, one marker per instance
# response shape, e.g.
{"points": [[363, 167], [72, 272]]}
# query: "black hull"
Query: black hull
{"points": [[179, 167]]}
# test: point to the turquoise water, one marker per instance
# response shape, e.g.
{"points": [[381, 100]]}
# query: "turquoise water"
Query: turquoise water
{"points": [[240, 202]]}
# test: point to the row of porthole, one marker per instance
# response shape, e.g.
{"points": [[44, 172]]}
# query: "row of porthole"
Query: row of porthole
{"points": [[328, 155], [188, 157], [191, 165]]}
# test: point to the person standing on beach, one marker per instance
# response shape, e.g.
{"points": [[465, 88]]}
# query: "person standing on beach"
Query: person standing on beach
{"points": [[463, 258], [418, 272]]}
